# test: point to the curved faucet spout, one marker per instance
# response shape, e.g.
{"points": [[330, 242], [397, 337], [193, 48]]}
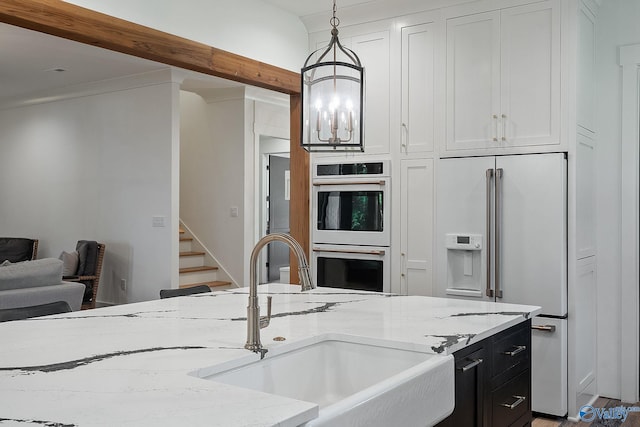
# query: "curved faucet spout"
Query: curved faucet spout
{"points": [[254, 323]]}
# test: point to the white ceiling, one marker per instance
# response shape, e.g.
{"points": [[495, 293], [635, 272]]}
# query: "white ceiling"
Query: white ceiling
{"points": [[30, 60], [312, 7]]}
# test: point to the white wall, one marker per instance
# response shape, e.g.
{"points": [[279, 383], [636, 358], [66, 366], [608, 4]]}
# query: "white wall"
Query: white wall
{"points": [[617, 25], [219, 161], [251, 28], [94, 167], [212, 175]]}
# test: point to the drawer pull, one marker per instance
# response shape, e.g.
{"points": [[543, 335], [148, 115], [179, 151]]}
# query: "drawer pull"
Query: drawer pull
{"points": [[545, 328], [518, 349], [471, 365], [519, 400]]}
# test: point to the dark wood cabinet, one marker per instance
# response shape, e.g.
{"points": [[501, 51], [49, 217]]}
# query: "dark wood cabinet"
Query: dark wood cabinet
{"points": [[493, 381]]}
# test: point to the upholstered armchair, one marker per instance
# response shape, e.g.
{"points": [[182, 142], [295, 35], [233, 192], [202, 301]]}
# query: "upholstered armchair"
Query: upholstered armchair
{"points": [[17, 249], [90, 255]]}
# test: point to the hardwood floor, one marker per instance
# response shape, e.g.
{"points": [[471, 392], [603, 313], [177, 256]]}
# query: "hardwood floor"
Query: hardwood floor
{"points": [[633, 419]]}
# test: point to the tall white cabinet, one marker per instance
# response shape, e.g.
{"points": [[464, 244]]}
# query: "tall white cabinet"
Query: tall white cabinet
{"points": [[416, 222]]}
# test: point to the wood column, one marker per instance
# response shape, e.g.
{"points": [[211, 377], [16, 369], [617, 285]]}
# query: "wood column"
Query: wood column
{"points": [[299, 204]]}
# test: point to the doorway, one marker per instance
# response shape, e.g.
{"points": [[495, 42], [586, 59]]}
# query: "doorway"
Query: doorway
{"points": [[274, 204], [278, 213]]}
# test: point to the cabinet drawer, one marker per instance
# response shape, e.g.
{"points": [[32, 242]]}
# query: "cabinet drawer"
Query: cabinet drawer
{"points": [[511, 352], [511, 401]]}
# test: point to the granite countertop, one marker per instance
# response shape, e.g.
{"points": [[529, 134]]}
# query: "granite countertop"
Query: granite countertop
{"points": [[128, 365]]}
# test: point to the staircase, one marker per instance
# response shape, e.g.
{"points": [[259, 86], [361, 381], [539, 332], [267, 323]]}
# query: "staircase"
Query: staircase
{"points": [[193, 268]]}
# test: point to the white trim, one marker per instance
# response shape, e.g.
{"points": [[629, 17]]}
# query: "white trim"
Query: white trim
{"points": [[629, 60]]}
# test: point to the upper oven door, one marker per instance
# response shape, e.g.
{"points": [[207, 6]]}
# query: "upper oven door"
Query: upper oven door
{"points": [[351, 212]]}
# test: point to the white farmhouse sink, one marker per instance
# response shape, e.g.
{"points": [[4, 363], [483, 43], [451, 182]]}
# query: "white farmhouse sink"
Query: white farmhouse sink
{"points": [[354, 380]]}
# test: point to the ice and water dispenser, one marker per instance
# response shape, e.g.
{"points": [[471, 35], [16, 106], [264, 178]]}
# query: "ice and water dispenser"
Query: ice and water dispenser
{"points": [[464, 275]]}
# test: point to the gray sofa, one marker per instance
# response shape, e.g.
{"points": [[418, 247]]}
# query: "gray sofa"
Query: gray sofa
{"points": [[37, 282]]}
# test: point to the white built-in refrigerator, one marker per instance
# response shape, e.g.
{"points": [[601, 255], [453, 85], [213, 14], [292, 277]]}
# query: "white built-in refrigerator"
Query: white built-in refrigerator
{"points": [[502, 236]]}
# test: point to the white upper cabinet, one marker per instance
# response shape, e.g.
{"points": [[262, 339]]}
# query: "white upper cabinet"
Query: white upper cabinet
{"points": [[586, 81], [503, 78], [374, 54], [418, 94], [473, 76]]}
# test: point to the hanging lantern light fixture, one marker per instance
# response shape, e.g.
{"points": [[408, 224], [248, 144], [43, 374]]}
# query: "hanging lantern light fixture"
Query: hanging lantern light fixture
{"points": [[332, 98]]}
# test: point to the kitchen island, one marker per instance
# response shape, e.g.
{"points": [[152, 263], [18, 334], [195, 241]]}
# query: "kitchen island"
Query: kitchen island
{"points": [[129, 365]]}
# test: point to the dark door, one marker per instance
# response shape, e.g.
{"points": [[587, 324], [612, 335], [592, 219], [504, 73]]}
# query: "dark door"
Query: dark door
{"points": [[277, 252]]}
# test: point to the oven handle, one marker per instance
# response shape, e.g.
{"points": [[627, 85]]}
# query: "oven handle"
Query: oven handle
{"points": [[351, 251], [318, 184]]}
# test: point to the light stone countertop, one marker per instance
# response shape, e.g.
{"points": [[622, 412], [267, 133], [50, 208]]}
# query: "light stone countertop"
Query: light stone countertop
{"points": [[128, 365]]}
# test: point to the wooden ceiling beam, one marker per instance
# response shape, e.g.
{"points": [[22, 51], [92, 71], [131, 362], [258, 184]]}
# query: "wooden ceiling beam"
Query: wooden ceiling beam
{"points": [[83, 25]]}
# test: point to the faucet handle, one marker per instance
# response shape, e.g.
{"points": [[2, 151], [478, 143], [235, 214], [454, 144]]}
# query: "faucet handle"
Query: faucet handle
{"points": [[264, 321]]}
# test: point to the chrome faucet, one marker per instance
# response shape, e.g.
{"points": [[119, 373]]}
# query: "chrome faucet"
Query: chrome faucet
{"points": [[254, 322]]}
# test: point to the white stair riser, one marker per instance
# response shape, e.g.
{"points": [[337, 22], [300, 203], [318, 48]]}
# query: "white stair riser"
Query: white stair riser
{"points": [[191, 261], [198, 277], [185, 246]]}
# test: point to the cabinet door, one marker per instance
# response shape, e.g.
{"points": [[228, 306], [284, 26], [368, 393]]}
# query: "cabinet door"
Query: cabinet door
{"points": [[584, 324], [585, 197], [473, 73], [470, 380], [586, 79], [530, 75], [373, 51], [418, 95], [416, 227]]}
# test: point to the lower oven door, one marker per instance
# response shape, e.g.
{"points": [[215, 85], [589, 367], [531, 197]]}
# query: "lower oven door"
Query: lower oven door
{"points": [[364, 268]]}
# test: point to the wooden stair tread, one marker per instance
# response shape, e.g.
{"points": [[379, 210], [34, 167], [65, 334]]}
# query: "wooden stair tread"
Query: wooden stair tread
{"points": [[191, 253], [186, 239], [181, 230], [213, 284], [197, 269]]}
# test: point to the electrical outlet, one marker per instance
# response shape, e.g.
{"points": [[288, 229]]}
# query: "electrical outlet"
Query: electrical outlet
{"points": [[123, 284]]}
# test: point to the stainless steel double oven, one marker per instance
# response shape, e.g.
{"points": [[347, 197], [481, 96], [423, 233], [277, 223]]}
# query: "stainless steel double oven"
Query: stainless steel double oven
{"points": [[351, 225]]}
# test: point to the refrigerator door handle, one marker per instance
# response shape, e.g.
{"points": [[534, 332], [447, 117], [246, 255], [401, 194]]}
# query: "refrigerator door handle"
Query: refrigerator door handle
{"points": [[489, 176], [498, 231], [544, 328]]}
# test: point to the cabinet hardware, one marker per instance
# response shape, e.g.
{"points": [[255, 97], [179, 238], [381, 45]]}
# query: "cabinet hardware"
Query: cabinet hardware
{"points": [[544, 328], [319, 184], [495, 127], [504, 127], [404, 140], [339, 251], [519, 400], [518, 349], [489, 176], [498, 231], [473, 364]]}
